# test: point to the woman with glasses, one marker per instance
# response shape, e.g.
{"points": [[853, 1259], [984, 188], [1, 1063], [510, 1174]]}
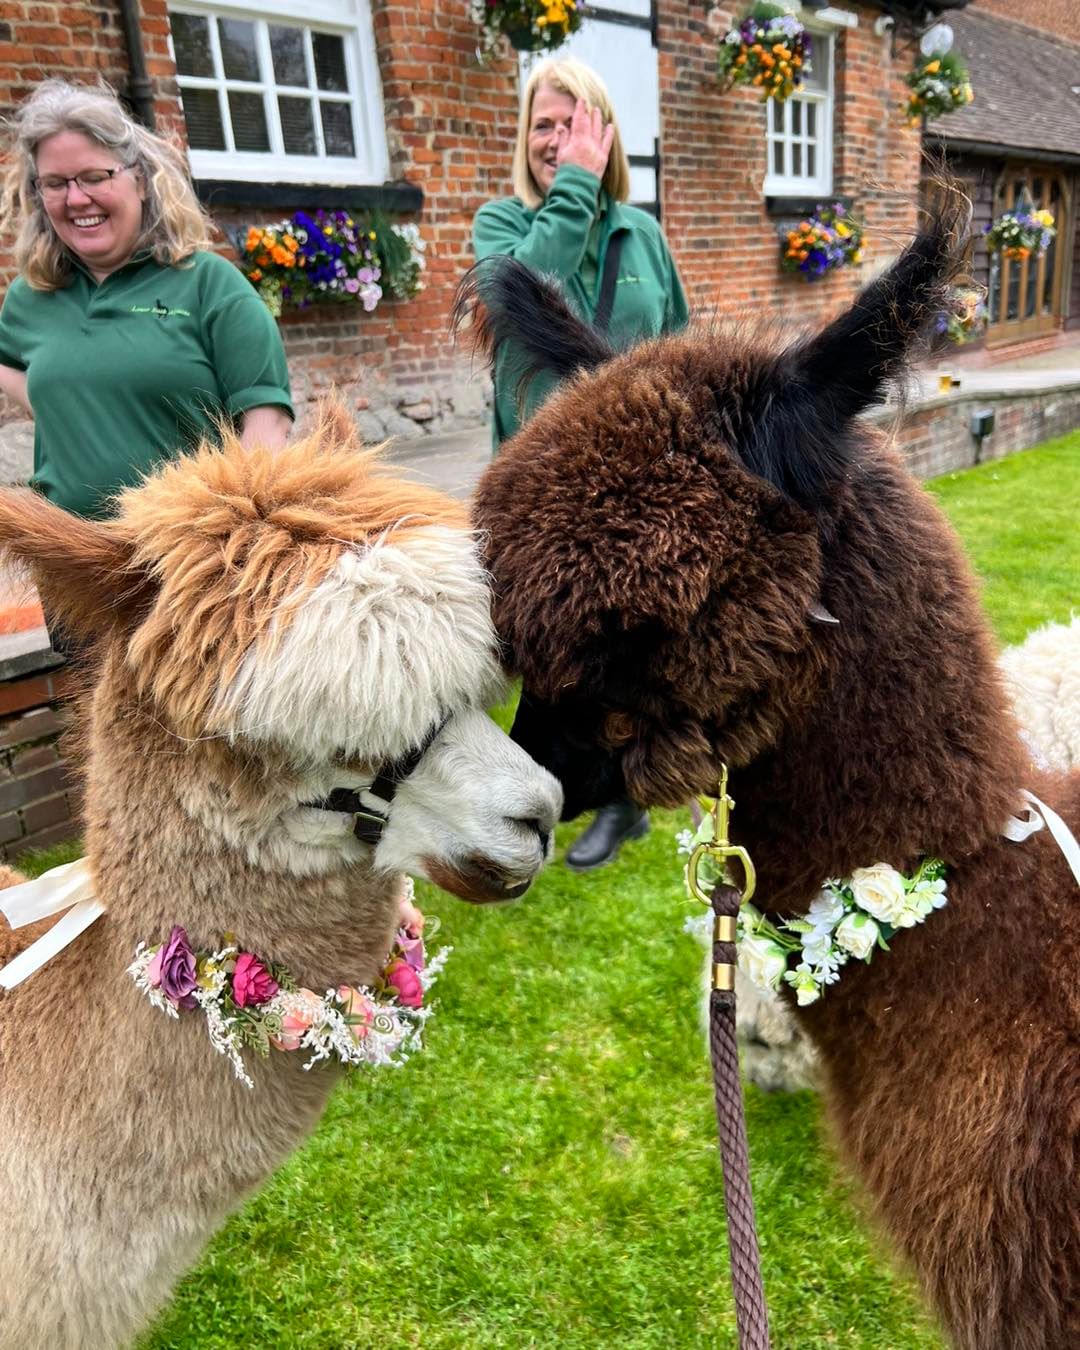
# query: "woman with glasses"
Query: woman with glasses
{"points": [[123, 335]]}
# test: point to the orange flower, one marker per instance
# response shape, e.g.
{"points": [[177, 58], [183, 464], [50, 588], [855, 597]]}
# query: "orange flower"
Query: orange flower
{"points": [[253, 237], [255, 276]]}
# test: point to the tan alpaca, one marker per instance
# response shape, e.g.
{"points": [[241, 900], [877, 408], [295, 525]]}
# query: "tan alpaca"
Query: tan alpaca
{"points": [[268, 628]]}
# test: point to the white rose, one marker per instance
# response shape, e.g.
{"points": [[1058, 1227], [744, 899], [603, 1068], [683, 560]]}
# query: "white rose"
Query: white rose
{"points": [[826, 910], [858, 934], [762, 961], [880, 891]]}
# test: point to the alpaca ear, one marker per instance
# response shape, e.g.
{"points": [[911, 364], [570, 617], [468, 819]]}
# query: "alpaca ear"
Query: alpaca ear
{"points": [[83, 569], [807, 397], [855, 358], [507, 303]]}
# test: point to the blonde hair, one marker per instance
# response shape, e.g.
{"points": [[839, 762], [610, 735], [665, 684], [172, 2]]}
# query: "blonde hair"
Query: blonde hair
{"points": [[174, 225], [579, 81]]}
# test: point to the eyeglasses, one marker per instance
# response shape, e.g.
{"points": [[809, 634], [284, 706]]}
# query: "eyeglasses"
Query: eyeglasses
{"points": [[89, 181]]}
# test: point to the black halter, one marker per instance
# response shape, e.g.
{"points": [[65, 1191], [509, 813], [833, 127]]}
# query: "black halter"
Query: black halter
{"points": [[370, 821]]}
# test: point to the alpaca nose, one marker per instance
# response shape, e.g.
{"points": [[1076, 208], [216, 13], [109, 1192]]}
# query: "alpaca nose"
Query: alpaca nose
{"points": [[534, 825]]}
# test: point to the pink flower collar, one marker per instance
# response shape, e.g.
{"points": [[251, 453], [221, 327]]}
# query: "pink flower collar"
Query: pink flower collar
{"points": [[255, 1004]]}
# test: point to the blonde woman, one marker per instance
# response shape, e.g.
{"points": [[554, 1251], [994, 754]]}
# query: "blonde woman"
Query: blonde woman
{"points": [[568, 218], [571, 180], [123, 335]]}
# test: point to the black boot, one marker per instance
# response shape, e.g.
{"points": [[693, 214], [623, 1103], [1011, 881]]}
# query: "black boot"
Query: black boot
{"points": [[615, 822]]}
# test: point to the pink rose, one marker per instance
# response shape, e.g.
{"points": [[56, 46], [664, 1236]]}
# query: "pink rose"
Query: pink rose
{"points": [[252, 983], [304, 1007], [403, 979], [356, 1009]]}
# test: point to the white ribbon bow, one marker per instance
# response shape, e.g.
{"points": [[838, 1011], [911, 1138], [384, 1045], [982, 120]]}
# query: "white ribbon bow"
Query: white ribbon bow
{"points": [[67, 887], [1039, 814]]}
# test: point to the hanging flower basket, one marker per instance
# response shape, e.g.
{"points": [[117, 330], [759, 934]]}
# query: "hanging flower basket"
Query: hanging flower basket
{"points": [[825, 241], [528, 25], [1021, 233], [965, 319], [939, 84], [331, 255], [769, 50]]}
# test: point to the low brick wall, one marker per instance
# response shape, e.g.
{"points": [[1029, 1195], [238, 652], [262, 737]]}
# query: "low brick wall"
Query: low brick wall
{"points": [[40, 800], [936, 437]]}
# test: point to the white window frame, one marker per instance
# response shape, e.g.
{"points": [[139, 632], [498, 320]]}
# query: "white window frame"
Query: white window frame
{"points": [[347, 19], [778, 129]]}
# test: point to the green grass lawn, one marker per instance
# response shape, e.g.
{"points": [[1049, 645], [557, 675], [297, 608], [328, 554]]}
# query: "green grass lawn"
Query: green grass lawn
{"points": [[545, 1175]]}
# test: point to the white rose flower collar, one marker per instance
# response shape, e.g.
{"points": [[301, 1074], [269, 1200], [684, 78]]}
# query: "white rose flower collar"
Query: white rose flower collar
{"points": [[848, 920]]}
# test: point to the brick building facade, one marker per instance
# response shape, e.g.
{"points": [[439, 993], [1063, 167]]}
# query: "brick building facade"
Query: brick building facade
{"points": [[445, 125], [449, 124]]}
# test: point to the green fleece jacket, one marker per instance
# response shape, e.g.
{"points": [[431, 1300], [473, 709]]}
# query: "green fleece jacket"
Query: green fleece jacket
{"points": [[567, 237]]}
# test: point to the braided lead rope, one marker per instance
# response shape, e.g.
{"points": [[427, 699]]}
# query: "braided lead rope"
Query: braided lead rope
{"points": [[751, 1314]]}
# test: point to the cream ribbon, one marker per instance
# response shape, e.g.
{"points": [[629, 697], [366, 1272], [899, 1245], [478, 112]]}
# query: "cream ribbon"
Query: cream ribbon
{"points": [[67, 887], [1038, 814]]}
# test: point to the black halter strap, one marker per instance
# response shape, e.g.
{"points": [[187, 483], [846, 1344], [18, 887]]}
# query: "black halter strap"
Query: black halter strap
{"points": [[370, 821]]}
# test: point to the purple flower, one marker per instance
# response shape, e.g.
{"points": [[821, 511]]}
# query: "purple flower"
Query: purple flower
{"points": [[178, 969], [352, 285], [366, 275]]}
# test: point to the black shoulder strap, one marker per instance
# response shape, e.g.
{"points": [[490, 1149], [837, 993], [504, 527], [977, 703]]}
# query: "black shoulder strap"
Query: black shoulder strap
{"points": [[606, 301]]}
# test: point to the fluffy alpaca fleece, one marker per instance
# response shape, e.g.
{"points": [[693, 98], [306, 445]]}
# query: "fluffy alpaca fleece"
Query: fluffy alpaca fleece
{"points": [[667, 536], [1042, 681], [268, 628], [1042, 676]]}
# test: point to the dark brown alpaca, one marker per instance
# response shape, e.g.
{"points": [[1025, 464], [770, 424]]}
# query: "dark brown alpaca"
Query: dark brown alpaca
{"points": [[666, 537]]}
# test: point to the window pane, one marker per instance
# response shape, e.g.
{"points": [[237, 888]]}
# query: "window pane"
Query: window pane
{"points": [[818, 75], [238, 55], [337, 128], [796, 116], [796, 159], [248, 115], [329, 53], [297, 126], [811, 161], [778, 156], [287, 49], [202, 113], [191, 43], [811, 119]]}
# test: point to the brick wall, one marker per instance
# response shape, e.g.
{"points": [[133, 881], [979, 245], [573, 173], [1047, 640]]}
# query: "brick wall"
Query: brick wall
{"points": [[714, 150], [39, 798], [450, 126], [936, 438]]}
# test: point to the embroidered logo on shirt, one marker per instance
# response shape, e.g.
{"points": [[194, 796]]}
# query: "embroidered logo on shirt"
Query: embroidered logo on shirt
{"points": [[161, 310], [622, 280]]}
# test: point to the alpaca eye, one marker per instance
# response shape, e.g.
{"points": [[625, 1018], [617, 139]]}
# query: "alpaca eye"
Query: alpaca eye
{"points": [[618, 728]]}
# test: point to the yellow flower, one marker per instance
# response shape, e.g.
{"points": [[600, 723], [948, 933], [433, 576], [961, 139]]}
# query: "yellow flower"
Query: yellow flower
{"points": [[932, 68], [328, 230], [1045, 218], [371, 234]]}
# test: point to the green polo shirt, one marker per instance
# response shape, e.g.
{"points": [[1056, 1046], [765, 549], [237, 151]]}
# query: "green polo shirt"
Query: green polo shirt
{"points": [[567, 237], [127, 373]]}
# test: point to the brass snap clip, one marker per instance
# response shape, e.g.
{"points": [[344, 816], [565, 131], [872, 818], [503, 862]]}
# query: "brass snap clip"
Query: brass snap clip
{"points": [[721, 852]]}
